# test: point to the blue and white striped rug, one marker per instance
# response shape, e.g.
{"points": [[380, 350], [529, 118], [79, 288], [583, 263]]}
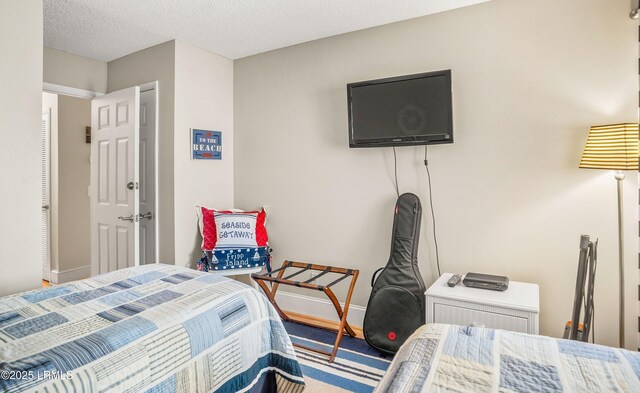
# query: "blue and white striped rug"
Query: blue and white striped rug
{"points": [[357, 367]]}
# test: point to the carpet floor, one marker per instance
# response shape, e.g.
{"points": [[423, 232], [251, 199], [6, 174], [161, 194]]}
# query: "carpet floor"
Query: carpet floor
{"points": [[357, 367]]}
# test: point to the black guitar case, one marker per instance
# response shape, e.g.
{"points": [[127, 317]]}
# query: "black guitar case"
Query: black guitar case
{"points": [[396, 306]]}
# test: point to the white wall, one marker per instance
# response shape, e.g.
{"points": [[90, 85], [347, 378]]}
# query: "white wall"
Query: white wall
{"points": [[70, 70], [20, 116], [73, 179], [529, 78], [148, 65], [203, 99]]}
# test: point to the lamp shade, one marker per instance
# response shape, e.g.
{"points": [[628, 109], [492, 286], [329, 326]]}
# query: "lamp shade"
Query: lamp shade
{"points": [[612, 146]]}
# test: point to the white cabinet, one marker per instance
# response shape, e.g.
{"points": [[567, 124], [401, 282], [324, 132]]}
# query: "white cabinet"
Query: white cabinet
{"points": [[515, 309]]}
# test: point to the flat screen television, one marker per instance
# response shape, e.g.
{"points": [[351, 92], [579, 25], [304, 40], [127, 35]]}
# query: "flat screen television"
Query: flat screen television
{"points": [[401, 111]]}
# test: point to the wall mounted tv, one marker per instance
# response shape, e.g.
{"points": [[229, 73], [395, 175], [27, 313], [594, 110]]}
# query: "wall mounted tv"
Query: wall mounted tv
{"points": [[401, 111]]}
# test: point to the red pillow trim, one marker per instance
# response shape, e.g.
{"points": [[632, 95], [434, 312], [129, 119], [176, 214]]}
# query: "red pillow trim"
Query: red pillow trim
{"points": [[209, 232]]}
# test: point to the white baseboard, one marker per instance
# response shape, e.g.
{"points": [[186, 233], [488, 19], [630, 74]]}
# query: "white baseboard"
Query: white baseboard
{"points": [[60, 277], [319, 308]]}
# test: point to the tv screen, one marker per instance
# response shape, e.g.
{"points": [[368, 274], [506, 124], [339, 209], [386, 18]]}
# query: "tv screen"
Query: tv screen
{"points": [[401, 111]]}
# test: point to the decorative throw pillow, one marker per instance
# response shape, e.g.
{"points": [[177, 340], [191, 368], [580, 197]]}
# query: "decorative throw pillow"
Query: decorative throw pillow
{"points": [[238, 258], [224, 229]]}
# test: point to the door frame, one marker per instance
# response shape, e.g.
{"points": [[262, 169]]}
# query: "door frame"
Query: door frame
{"points": [[82, 93], [69, 91], [56, 276], [143, 88]]}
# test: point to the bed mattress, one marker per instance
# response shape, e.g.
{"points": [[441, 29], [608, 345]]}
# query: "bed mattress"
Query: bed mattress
{"points": [[154, 328], [447, 358]]}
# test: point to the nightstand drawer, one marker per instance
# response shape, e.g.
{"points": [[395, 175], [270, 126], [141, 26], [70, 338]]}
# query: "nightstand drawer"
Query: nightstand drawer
{"points": [[445, 313]]}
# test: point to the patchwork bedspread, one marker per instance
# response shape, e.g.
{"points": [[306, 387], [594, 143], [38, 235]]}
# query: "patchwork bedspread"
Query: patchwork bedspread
{"points": [[153, 328], [447, 358]]}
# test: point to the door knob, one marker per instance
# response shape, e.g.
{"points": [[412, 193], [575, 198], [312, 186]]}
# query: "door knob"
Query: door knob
{"points": [[127, 218], [130, 185]]}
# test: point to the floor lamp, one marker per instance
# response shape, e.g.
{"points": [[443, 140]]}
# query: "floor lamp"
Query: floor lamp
{"points": [[614, 147]]}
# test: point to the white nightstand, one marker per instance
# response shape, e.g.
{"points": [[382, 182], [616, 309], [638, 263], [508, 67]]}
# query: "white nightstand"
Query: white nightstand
{"points": [[515, 309]]}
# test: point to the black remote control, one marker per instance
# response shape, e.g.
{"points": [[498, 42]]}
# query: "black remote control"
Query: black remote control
{"points": [[454, 280]]}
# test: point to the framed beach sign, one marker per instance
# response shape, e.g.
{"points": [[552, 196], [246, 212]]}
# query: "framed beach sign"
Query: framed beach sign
{"points": [[206, 144]]}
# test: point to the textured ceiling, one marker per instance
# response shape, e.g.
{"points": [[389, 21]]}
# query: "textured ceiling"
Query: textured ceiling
{"points": [[108, 29]]}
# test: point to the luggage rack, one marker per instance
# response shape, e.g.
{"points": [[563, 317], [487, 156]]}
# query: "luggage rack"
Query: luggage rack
{"points": [[280, 278]]}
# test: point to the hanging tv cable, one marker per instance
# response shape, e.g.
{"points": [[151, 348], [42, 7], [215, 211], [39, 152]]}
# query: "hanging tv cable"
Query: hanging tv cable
{"points": [[433, 216], [395, 170]]}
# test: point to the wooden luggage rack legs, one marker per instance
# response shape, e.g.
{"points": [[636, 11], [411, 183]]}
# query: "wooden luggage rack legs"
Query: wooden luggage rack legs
{"points": [[323, 270]]}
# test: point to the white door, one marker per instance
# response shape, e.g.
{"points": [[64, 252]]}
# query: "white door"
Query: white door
{"points": [[45, 237], [114, 180], [147, 177]]}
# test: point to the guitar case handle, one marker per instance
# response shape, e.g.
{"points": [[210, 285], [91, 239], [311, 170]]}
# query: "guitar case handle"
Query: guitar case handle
{"points": [[373, 278]]}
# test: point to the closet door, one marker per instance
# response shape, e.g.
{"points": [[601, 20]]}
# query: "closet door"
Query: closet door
{"points": [[45, 232]]}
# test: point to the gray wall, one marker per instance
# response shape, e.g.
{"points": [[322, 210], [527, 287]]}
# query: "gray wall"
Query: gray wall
{"points": [[529, 78], [20, 114], [148, 65], [70, 70], [74, 250]]}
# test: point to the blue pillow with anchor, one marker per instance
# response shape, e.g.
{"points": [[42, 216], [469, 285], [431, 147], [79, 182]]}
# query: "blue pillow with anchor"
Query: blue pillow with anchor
{"points": [[235, 258]]}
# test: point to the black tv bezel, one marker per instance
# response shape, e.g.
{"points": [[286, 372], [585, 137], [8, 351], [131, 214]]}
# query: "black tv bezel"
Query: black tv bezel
{"points": [[407, 140]]}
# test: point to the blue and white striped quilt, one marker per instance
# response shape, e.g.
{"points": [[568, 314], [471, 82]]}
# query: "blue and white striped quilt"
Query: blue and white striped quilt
{"points": [[447, 358], [153, 328]]}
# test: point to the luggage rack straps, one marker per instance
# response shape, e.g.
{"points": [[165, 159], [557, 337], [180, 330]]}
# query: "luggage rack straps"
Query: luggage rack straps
{"points": [[277, 280], [304, 269], [339, 279], [322, 273], [283, 267], [270, 292], [332, 269]]}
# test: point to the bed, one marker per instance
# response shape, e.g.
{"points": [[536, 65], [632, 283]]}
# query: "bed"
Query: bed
{"points": [[153, 328], [448, 358]]}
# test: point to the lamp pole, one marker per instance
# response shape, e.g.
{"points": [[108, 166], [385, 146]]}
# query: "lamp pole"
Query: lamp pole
{"points": [[614, 147], [620, 178]]}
